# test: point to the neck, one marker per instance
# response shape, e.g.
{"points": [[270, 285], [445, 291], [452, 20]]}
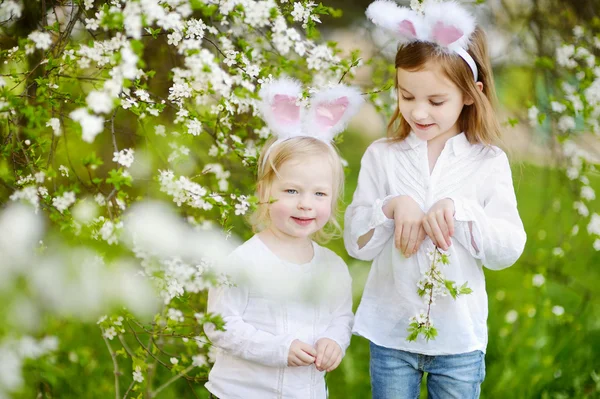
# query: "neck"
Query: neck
{"points": [[440, 141], [290, 249]]}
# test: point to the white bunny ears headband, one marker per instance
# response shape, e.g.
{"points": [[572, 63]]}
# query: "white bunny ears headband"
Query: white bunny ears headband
{"points": [[329, 111], [446, 24]]}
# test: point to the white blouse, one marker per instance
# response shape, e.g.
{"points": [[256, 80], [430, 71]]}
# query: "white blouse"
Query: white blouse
{"points": [[273, 303], [478, 179]]}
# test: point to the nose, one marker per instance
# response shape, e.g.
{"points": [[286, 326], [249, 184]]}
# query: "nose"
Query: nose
{"points": [[305, 202], [419, 113]]}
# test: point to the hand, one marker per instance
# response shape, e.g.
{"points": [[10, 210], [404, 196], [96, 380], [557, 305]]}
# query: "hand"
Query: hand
{"points": [[301, 354], [439, 223], [329, 354], [408, 218]]}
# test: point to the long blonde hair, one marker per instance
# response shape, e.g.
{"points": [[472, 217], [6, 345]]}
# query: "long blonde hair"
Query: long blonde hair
{"points": [[297, 148], [478, 121]]}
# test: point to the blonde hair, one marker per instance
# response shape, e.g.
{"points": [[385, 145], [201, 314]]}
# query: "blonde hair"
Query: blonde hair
{"points": [[297, 148], [478, 121]]}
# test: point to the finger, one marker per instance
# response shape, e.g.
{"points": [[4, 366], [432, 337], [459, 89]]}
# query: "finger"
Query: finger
{"points": [[450, 221], [305, 358], [308, 349], [398, 236], [414, 238], [439, 216], [335, 364], [328, 356], [294, 361], [405, 237], [420, 238], [427, 228], [320, 351], [437, 233]]}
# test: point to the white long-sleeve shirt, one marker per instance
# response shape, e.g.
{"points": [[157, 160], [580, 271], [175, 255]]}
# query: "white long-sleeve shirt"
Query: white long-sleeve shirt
{"points": [[478, 179], [273, 303]]}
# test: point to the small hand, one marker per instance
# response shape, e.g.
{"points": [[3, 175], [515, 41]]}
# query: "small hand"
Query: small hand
{"points": [[301, 354], [408, 218], [329, 354], [439, 223]]}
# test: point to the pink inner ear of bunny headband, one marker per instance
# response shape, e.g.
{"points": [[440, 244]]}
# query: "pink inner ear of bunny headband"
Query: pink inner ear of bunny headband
{"points": [[328, 114], [407, 28], [285, 110], [446, 34]]}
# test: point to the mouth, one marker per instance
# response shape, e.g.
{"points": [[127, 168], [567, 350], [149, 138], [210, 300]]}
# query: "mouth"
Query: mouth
{"points": [[422, 126], [302, 221]]}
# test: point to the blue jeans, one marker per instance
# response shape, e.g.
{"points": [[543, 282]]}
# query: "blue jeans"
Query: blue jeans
{"points": [[396, 374]]}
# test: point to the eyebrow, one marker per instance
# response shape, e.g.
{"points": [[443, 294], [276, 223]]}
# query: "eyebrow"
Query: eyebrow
{"points": [[296, 184], [433, 95]]}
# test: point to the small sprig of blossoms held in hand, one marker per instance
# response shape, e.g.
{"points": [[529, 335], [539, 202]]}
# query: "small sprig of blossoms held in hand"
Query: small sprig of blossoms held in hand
{"points": [[433, 284]]}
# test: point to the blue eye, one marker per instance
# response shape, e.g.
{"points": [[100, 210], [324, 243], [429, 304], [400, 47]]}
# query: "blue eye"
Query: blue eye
{"points": [[320, 194], [291, 191]]}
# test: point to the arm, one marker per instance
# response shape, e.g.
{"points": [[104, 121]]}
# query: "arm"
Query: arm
{"points": [[242, 339], [493, 232], [366, 227]]}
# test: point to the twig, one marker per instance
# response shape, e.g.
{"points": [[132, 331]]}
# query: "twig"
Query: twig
{"points": [[172, 380], [113, 355]]}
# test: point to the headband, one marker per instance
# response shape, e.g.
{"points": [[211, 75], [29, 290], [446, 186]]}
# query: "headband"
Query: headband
{"points": [[328, 113], [446, 24]]}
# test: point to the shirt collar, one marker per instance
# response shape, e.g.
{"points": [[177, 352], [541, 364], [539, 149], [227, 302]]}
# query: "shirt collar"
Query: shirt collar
{"points": [[458, 143]]}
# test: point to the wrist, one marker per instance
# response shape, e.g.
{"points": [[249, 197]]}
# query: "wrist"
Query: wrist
{"points": [[389, 207]]}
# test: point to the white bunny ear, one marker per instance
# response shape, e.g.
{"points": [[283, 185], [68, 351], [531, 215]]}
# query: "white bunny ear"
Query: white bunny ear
{"points": [[330, 111], [280, 108], [450, 24], [405, 23]]}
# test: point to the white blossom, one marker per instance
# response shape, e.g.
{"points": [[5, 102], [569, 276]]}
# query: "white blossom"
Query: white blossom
{"points": [[588, 193], [532, 114], [194, 127], [538, 280], [91, 125], [64, 201], [109, 333], [564, 56], [64, 171], [594, 225], [511, 316], [566, 123], [54, 123], [41, 40], [124, 157], [99, 102], [10, 9], [558, 310], [137, 374]]}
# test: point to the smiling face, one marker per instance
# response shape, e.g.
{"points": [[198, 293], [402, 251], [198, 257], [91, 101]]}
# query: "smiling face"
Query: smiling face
{"points": [[302, 194], [430, 102]]}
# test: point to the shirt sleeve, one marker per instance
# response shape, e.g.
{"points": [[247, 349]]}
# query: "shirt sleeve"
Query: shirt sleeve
{"points": [[242, 339], [493, 232], [365, 212], [340, 327]]}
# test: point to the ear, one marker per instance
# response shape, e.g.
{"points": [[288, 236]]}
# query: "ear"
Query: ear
{"points": [[279, 106], [451, 24], [468, 99], [331, 110], [403, 22]]}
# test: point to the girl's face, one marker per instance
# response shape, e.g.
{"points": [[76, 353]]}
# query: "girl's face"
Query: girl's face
{"points": [[303, 196], [430, 102]]}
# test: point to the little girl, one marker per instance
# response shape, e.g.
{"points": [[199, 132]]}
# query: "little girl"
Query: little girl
{"points": [[438, 182], [288, 319]]}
